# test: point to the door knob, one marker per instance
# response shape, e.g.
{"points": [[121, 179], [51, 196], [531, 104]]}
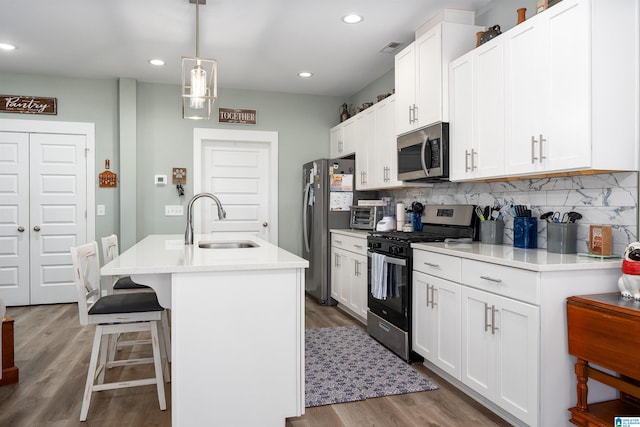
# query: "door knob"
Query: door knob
{"points": [[36, 228], [21, 229], [265, 224]]}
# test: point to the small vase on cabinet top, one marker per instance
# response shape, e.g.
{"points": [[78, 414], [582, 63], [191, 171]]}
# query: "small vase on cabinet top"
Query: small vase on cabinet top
{"points": [[522, 15]]}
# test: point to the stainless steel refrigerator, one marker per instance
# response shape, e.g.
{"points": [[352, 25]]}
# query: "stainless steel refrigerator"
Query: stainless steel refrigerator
{"points": [[328, 186]]}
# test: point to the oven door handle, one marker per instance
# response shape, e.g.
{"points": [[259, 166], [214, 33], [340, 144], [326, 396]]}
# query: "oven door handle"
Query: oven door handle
{"points": [[391, 260]]}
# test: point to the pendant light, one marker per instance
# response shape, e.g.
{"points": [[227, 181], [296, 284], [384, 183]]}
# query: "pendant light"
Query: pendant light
{"points": [[199, 80]]}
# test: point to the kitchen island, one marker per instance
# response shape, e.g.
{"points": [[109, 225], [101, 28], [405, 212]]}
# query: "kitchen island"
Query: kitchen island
{"points": [[237, 325]]}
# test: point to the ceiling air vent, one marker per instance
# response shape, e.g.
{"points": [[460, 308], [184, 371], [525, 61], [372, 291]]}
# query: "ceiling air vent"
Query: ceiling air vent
{"points": [[391, 47]]}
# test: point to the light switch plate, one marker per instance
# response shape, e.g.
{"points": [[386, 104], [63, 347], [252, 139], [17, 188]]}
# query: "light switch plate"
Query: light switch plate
{"points": [[100, 210], [160, 179], [173, 210]]}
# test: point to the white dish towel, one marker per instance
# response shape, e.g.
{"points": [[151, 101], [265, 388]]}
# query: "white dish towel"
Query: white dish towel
{"points": [[378, 276]]}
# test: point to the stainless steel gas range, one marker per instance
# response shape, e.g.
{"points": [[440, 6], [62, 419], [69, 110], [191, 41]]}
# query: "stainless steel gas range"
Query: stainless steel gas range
{"points": [[390, 269]]}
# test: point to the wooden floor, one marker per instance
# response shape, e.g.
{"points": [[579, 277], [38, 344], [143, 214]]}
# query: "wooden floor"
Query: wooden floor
{"points": [[52, 352]]}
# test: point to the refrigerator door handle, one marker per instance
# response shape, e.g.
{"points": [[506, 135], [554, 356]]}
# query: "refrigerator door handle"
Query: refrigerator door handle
{"points": [[305, 204]]}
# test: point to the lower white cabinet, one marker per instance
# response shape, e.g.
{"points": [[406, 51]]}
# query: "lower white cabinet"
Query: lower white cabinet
{"points": [[495, 326], [500, 351], [436, 321], [349, 273]]}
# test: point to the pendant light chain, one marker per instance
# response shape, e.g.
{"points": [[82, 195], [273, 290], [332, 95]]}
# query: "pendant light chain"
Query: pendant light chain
{"points": [[197, 28]]}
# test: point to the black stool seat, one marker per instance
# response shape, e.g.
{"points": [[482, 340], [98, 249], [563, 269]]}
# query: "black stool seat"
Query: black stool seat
{"points": [[126, 283], [126, 303]]}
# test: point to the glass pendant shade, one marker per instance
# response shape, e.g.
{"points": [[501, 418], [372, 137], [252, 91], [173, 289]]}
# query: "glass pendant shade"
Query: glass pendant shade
{"points": [[199, 87]]}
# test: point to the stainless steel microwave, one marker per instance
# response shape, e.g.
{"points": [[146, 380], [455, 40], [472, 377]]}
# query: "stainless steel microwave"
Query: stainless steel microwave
{"points": [[423, 155]]}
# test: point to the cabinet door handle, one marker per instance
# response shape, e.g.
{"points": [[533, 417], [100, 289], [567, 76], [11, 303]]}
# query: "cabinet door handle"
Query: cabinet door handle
{"points": [[428, 286], [533, 150], [433, 299], [431, 265], [415, 113], [466, 161], [542, 157], [356, 268], [21, 229], [410, 114], [36, 228], [338, 241], [487, 325], [493, 320], [340, 146], [491, 279], [473, 161], [358, 246]]}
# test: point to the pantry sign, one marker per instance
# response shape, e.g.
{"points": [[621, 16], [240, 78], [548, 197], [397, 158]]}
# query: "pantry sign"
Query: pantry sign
{"points": [[28, 104], [237, 115]]}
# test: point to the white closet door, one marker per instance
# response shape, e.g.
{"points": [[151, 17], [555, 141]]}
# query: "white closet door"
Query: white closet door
{"points": [[14, 216], [58, 213]]}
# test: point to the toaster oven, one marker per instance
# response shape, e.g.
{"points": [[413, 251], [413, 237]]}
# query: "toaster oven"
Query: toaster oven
{"points": [[365, 217]]}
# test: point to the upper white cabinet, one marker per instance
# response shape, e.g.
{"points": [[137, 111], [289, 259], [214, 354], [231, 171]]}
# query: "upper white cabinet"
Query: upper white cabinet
{"points": [[421, 74], [548, 91], [365, 148], [336, 141], [477, 113], [371, 135], [556, 93]]}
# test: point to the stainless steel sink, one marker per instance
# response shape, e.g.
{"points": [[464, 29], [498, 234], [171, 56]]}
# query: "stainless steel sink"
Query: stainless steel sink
{"points": [[227, 245]]}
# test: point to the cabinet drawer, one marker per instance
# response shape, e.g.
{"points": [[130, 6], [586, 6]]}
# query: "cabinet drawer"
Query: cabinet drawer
{"points": [[349, 243], [510, 282], [443, 266]]}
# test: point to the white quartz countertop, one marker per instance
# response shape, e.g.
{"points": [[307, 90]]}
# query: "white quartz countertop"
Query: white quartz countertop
{"points": [[167, 253], [350, 232], [529, 259]]}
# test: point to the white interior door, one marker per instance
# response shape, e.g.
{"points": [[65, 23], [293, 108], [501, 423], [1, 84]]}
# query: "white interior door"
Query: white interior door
{"points": [[14, 218], [46, 206], [240, 168], [58, 213]]}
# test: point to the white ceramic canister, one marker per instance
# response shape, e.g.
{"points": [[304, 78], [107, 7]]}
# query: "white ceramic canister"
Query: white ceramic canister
{"points": [[400, 216]]}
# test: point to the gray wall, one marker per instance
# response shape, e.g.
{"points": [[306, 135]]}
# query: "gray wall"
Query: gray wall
{"points": [[165, 140], [93, 101]]}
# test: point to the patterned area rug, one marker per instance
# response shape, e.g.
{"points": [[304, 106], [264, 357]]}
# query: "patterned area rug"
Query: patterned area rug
{"points": [[344, 364]]}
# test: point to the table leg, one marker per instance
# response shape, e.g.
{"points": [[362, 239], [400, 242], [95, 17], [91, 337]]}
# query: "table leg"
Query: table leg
{"points": [[581, 368]]}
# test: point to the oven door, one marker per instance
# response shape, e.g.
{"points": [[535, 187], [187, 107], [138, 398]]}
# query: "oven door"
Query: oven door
{"points": [[394, 308], [423, 155]]}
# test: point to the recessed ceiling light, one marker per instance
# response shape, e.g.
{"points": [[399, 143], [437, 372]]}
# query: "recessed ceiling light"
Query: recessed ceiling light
{"points": [[352, 19], [305, 74], [156, 62], [7, 46]]}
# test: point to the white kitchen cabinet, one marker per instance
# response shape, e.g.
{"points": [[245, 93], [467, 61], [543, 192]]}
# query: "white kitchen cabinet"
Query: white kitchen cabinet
{"points": [[436, 321], [343, 138], [570, 74], [500, 351], [336, 141], [373, 137], [349, 273], [477, 113], [510, 324], [365, 148], [421, 74], [385, 174]]}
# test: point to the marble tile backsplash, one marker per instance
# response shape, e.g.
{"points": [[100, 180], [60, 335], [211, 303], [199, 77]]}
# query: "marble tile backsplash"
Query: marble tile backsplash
{"points": [[607, 199]]}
